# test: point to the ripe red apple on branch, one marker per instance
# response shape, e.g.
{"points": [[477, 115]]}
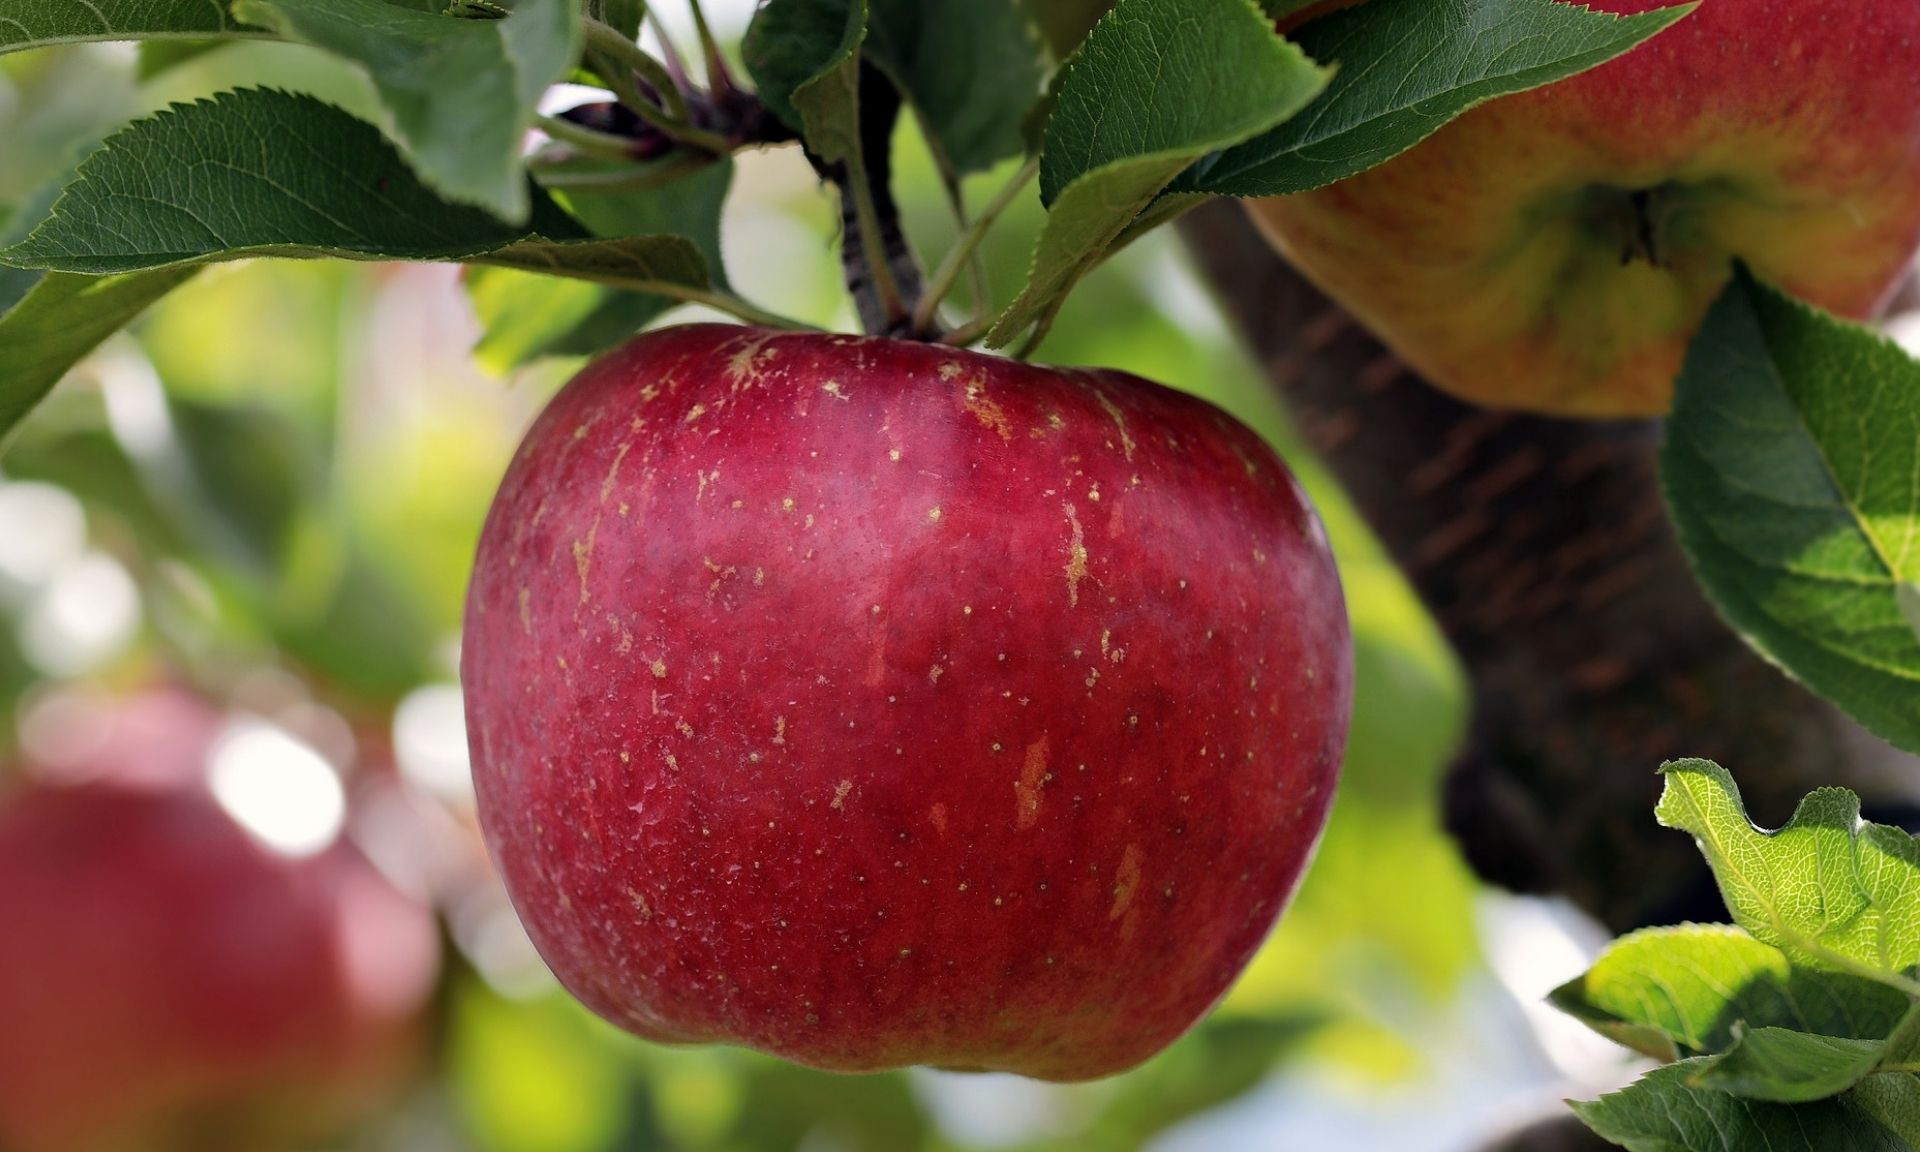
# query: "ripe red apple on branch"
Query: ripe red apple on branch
{"points": [[1556, 250], [170, 982], [876, 703]]}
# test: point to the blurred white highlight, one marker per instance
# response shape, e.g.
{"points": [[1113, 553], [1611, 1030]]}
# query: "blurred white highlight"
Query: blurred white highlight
{"points": [[430, 743], [1533, 947], [136, 404], [1904, 330], [85, 614], [279, 789], [42, 529]]}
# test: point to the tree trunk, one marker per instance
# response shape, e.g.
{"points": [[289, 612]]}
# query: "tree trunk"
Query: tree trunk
{"points": [[1543, 549]]}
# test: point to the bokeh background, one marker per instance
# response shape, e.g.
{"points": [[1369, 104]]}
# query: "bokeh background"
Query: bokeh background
{"points": [[267, 495]]}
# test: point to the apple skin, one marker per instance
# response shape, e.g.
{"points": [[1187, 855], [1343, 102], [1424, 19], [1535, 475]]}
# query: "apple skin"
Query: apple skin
{"points": [[169, 984], [873, 703], [1492, 256]]}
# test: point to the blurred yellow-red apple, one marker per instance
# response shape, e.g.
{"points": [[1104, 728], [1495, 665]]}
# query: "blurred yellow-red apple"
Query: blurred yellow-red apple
{"points": [[1555, 251]]}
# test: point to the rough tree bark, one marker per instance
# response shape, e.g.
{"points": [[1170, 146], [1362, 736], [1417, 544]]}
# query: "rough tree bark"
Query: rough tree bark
{"points": [[1542, 548]]}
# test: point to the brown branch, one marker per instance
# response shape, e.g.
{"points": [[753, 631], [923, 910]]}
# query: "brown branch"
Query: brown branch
{"points": [[1542, 548], [885, 309]]}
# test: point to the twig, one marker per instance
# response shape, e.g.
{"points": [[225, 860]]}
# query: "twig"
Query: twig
{"points": [[727, 302], [719, 78], [968, 334], [880, 269], [1041, 330], [609, 42], [941, 284], [586, 139], [858, 188]]}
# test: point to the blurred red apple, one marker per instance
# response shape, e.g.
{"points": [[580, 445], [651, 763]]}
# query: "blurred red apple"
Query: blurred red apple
{"points": [[872, 703], [168, 981], [1555, 251]]}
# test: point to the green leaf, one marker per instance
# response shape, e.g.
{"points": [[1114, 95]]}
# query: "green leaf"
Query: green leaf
{"points": [[61, 319], [15, 283], [688, 206], [1792, 469], [36, 23], [1789, 1067], [158, 57], [1666, 992], [253, 172], [1141, 101], [1281, 9], [523, 315], [971, 70], [462, 93], [529, 316], [1406, 68], [805, 55], [1665, 1112], [1908, 597], [623, 16], [263, 173], [1893, 1099], [1828, 889], [632, 262]]}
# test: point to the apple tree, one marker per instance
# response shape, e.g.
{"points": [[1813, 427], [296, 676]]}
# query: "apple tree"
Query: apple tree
{"points": [[906, 698]]}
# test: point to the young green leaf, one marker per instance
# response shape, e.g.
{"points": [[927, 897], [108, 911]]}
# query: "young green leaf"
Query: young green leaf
{"points": [[37, 23], [1828, 889], [461, 93], [1789, 1067], [264, 173], [1406, 68], [971, 70], [1792, 469], [1668, 992], [1158, 84], [1665, 1112], [805, 55], [59, 320]]}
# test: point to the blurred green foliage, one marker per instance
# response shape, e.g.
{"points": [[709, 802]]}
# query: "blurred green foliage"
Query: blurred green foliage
{"points": [[294, 460]]}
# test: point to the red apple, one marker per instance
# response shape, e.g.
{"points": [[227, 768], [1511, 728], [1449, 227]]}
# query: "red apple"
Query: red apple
{"points": [[1555, 251], [872, 703], [168, 983]]}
